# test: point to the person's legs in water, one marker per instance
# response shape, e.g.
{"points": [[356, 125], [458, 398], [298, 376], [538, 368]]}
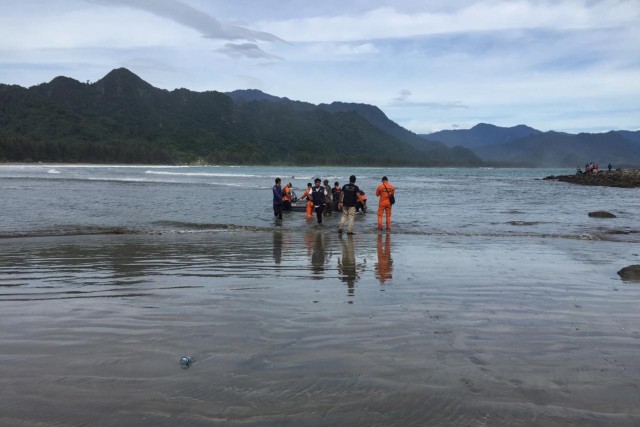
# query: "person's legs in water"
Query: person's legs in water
{"points": [[343, 219], [319, 213], [351, 213]]}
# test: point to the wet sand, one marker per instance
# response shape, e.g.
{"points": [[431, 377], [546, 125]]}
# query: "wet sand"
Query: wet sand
{"points": [[308, 329]]}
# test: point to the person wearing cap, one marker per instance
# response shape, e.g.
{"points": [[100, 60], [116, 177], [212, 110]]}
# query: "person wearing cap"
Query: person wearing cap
{"points": [[349, 196], [318, 196], [386, 193]]}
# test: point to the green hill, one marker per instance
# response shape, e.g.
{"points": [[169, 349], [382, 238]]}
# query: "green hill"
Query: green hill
{"points": [[121, 118]]}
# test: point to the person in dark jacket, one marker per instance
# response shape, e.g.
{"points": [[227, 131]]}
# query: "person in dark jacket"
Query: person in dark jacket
{"points": [[277, 199], [318, 196], [349, 196]]}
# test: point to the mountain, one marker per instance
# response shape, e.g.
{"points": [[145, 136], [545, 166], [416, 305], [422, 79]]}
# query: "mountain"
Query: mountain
{"points": [[436, 150], [630, 135], [524, 146], [122, 118], [555, 149], [481, 135]]}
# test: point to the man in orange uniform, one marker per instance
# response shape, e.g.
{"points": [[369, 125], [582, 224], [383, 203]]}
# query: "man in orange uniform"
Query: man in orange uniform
{"points": [[386, 193], [307, 195]]}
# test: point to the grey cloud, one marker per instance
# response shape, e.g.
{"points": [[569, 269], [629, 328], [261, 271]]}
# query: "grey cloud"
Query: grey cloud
{"points": [[404, 95], [248, 50], [198, 20]]}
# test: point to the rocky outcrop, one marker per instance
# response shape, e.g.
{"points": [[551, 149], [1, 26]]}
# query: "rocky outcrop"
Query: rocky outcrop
{"points": [[625, 178], [601, 214], [631, 273]]}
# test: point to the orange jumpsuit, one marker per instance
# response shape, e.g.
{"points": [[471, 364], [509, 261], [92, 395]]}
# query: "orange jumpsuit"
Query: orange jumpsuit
{"points": [[383, 191], [287, 194], [309, 202]]}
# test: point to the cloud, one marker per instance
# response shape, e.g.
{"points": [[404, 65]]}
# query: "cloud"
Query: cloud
{"points": [[205, 24], [389, 22], [404, 94], [247, 50]]}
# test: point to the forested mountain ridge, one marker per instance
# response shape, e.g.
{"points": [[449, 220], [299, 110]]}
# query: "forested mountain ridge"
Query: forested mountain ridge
{"points": [[121, 118], [524, 146]]}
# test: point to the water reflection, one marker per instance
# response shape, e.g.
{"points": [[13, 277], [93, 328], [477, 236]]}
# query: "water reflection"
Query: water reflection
{"points": [[318, 254], [384, 266], [347, 266], [277, 247]]}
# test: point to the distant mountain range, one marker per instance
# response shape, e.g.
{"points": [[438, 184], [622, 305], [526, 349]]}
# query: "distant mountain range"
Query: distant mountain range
{"points": [[524, 146], [121, 118]]}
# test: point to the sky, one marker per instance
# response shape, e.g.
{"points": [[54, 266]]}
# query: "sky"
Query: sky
{"points": [[564, 65]]}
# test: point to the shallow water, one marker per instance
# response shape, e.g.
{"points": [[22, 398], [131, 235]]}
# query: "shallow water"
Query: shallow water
{"points": [[307, 328], [56, 199], [495, 301]]}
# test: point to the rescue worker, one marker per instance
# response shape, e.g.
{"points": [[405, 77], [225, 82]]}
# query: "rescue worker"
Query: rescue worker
{"points": [[318, 194], [386, 193], [349, 196], [362, 203], [307, 195], [277, 200], [286, 199]]}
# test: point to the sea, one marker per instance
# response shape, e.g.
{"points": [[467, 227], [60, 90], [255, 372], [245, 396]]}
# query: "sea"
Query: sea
{"points": [[493, 301], [41, 200]]}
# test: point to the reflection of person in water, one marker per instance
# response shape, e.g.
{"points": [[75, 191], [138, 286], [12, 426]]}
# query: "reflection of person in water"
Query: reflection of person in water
{"points": [[384, 266], [318, 255], [347, 264], [277, 247]]}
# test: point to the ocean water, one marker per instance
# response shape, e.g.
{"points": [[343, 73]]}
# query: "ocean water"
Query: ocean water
{"points": [[494, 300], [55, 199]]}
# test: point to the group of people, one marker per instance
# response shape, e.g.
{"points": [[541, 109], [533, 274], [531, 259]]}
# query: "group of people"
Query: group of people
{"points": [[323, 200], [591, 168]]}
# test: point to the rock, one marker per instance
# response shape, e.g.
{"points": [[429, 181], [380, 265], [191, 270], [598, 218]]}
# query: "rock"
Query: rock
{"points": [[601, 214], [625, 178], [631, 273]]}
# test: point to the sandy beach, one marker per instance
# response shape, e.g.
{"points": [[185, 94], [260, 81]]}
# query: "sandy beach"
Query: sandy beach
{"points": [[289, 328]]}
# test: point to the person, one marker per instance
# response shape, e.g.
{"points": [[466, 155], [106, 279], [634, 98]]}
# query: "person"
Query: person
{"points": [[318, 197], [287, 198], [335, 194], [609, 167], [349, 196], [277, 199], [386, 192], [328, 199], [361, 205], [307, 195]]}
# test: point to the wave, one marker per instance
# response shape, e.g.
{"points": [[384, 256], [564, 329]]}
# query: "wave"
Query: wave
{"points": [[205, 174], [179, 227], [79, 231]]}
